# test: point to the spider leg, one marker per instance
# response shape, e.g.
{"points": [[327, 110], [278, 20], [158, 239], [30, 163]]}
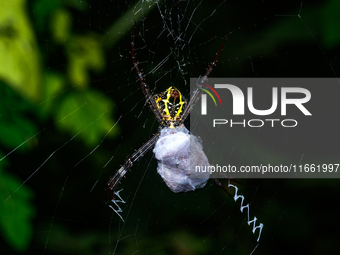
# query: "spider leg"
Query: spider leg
{"points": [[113, 182], [197, 93], [145, 88]]}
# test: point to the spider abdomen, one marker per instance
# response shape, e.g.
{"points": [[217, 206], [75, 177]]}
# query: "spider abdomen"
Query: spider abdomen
{"points": [[177, 152]]}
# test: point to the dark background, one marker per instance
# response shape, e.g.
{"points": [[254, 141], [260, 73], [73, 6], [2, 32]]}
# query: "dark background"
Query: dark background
{"points": [[77, 112]]}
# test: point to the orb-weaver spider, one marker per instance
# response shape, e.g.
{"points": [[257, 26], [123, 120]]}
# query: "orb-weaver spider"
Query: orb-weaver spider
{"points": [[171, 110]]}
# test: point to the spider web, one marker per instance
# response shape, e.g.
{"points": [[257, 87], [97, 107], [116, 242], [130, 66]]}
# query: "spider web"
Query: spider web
{"points": [[64, 177]]}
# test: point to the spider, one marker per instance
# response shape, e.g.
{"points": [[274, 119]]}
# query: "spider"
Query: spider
{"points": [[173, 144], [174, 147]]}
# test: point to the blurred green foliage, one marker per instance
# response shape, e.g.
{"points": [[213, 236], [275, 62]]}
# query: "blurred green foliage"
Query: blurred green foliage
{"points": [[47, 66], [17, 211], [32, 93], [312, 23], [27, 87], [330, 23], [20, 63], [77, 108], [17, 131]]}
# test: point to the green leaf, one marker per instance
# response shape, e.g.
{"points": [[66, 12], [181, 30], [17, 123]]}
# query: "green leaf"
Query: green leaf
{"points": [[88, 113], [85, 53], [61, 25], [15, 125], [15, 133], [19, 61], [53, 84], [16, 212]]}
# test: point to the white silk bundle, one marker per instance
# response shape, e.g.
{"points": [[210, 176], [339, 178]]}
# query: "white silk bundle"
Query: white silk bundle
{"points": [[178, 152]]}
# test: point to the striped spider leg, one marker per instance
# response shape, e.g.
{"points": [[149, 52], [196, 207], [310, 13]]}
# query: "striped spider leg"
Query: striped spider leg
{"points": [[128, 164], [197, 93]]}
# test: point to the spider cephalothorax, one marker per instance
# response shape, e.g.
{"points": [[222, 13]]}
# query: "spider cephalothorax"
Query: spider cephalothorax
{"points": [[171, 104]]}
